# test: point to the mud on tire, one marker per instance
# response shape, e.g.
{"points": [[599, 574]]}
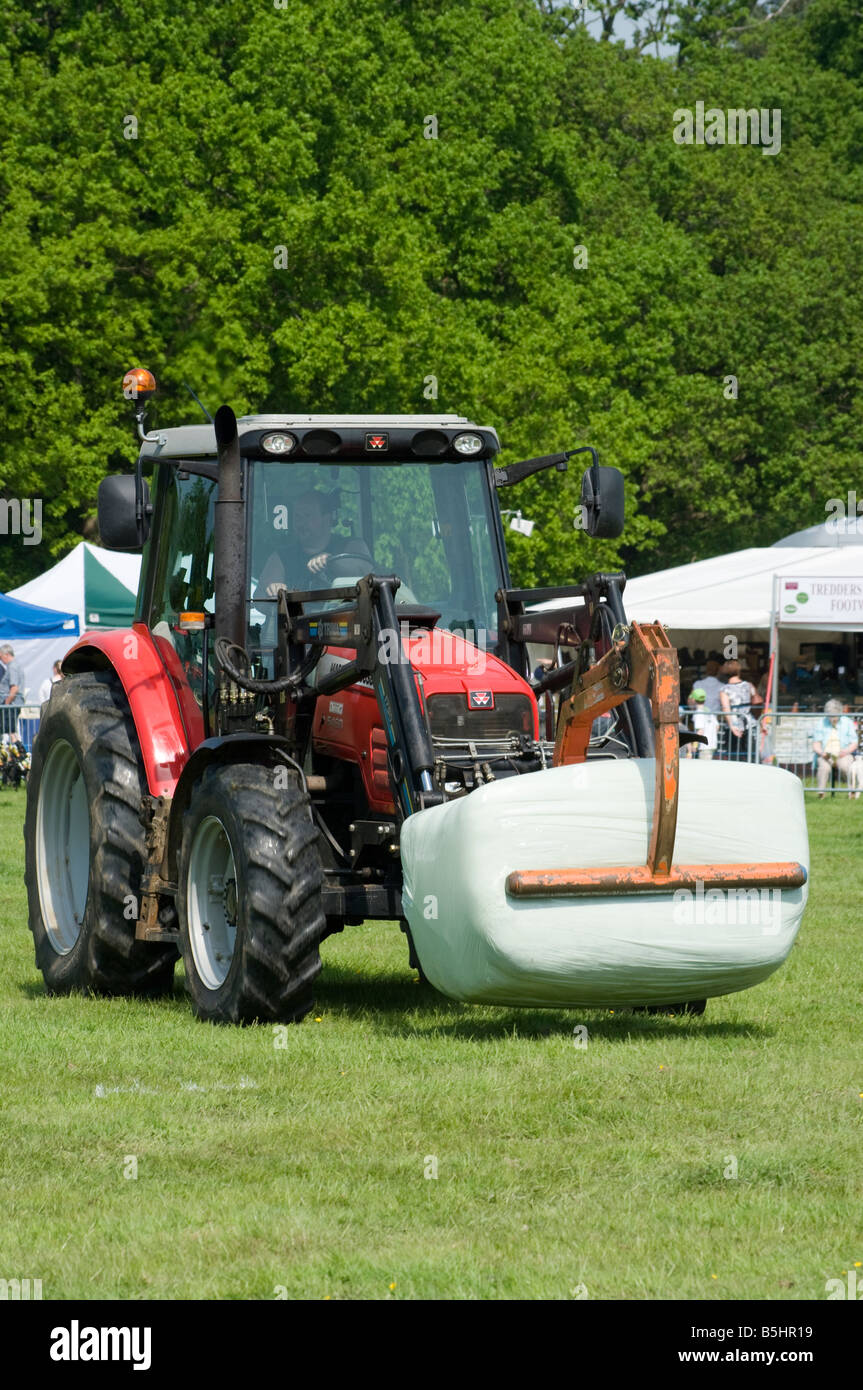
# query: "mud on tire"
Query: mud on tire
{"points": [[85, 845], [249, 897]]}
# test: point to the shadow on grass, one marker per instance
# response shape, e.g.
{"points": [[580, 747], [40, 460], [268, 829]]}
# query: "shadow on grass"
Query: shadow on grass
{"points": [[400, 1006], [35, 990], [387, 998]]}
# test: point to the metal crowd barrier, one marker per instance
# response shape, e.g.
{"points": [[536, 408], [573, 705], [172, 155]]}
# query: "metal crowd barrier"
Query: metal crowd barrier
{"points": [[20, 722], [787, 742], [724, 746], [784, 740]]}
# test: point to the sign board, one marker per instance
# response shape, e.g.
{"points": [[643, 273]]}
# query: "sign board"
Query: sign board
{"points": [[813, 601], [792, 740]]}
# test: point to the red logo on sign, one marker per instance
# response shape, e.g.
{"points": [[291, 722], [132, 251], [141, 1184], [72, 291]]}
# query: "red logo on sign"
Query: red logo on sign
{"points": [[376, 441], [480, 699]]}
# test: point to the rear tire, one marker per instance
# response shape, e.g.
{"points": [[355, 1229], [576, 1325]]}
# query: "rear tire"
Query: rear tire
{"points": [[85, 846], [250, 897]]}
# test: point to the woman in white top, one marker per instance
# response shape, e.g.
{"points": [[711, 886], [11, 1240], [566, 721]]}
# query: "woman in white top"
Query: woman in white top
{"points": [[735, 699]]}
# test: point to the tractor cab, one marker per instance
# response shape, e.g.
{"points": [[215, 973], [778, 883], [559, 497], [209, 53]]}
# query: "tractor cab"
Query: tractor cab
{"points": [[325, 500], [313, 508], [320, 524]]}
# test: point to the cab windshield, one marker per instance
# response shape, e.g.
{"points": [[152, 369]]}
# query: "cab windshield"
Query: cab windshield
{"points": [[321, 525]]}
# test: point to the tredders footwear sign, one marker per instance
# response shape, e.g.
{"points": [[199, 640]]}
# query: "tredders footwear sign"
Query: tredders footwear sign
{"points": [[825, 600]]}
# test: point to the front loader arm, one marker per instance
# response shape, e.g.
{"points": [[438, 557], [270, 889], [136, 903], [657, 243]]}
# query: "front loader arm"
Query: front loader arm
{"points": [[641, 661], [363, 625]]}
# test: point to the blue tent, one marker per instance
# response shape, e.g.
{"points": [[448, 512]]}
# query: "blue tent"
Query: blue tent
{"points": [[24, 621]]}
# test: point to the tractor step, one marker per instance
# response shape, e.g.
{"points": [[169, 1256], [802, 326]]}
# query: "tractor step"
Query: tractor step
{"points": [[152, 935]]}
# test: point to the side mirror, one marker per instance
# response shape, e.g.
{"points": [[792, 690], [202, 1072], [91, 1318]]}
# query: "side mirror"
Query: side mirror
{"points": [[603, 501], [124, 512]]}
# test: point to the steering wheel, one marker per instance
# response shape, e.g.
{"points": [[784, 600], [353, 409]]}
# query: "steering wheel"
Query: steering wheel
{"points": [[368, 563], [403, 595]]}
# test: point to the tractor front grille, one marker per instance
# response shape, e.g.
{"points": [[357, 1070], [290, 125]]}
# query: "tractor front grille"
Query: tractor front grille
{"points": [[450, 717]]}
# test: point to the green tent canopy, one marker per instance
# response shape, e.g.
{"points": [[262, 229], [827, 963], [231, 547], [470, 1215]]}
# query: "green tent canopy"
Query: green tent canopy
{"points": [[107, 602], [99, 585]]}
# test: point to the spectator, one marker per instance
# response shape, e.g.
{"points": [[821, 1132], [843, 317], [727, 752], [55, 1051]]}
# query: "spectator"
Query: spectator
{"points": [[764, 753], [855, 781], [11, 678], [711, 685], [809, 673], [703, 722], [735, 699], [835, 742], [45, 687]]}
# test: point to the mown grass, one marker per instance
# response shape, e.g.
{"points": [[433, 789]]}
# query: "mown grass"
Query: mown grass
{"points": [[302, 1168]]}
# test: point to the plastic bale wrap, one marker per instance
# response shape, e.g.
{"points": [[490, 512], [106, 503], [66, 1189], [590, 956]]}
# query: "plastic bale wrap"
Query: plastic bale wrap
{"points": [[477, 943]]}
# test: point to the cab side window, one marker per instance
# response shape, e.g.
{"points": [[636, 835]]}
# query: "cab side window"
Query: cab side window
{"points": [[184, 574]]}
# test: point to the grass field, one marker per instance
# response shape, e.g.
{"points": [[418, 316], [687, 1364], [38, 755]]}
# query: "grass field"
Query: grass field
{"points": [[302, 1168]]}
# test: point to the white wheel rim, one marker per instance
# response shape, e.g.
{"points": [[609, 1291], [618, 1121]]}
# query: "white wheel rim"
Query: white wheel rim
{"points": [[62, 847], [211, 902]]}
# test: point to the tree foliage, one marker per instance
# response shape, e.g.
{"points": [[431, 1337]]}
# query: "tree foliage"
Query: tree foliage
{"points": [[259, 126]]}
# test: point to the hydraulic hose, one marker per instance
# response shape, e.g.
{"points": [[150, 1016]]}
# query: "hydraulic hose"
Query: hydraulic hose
{"points": [[262, 687]]}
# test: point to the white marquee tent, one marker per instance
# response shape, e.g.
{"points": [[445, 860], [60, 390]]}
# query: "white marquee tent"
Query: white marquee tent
{"points": [[98, 585], [734, 593], [740, 593]]}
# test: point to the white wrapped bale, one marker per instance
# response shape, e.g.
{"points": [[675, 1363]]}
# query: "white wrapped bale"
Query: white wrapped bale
{"points": [[475, 942]]}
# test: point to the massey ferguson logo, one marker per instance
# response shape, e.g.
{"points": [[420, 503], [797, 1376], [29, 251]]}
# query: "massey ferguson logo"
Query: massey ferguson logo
{"points": [[376, 441], [480, 699]]}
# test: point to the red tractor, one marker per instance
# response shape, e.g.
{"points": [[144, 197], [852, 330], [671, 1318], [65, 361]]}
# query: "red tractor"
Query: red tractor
{"points": [[326, 643]]}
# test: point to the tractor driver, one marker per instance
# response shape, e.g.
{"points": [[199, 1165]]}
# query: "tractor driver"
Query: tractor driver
{"points": [[312, 545]]}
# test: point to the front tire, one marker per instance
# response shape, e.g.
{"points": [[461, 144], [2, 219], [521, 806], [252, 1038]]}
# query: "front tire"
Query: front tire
{"points": [[249, 897], [85, 846]]}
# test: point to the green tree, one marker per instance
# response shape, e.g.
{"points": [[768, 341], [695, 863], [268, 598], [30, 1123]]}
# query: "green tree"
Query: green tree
{"points": [[319, 207]]}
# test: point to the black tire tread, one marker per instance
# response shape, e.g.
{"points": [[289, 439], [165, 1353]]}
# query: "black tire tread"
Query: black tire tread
{"points": [[273, 982], [92, 707]]}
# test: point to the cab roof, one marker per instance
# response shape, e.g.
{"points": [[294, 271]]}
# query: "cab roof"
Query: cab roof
{"points": [[199, 441]]}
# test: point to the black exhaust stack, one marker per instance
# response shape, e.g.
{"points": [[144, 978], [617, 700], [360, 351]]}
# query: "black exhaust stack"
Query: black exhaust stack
{"points": [[229, 561]]}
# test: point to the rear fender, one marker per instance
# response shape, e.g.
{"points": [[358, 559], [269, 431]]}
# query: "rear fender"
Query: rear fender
{"points": [[132, 655]]}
